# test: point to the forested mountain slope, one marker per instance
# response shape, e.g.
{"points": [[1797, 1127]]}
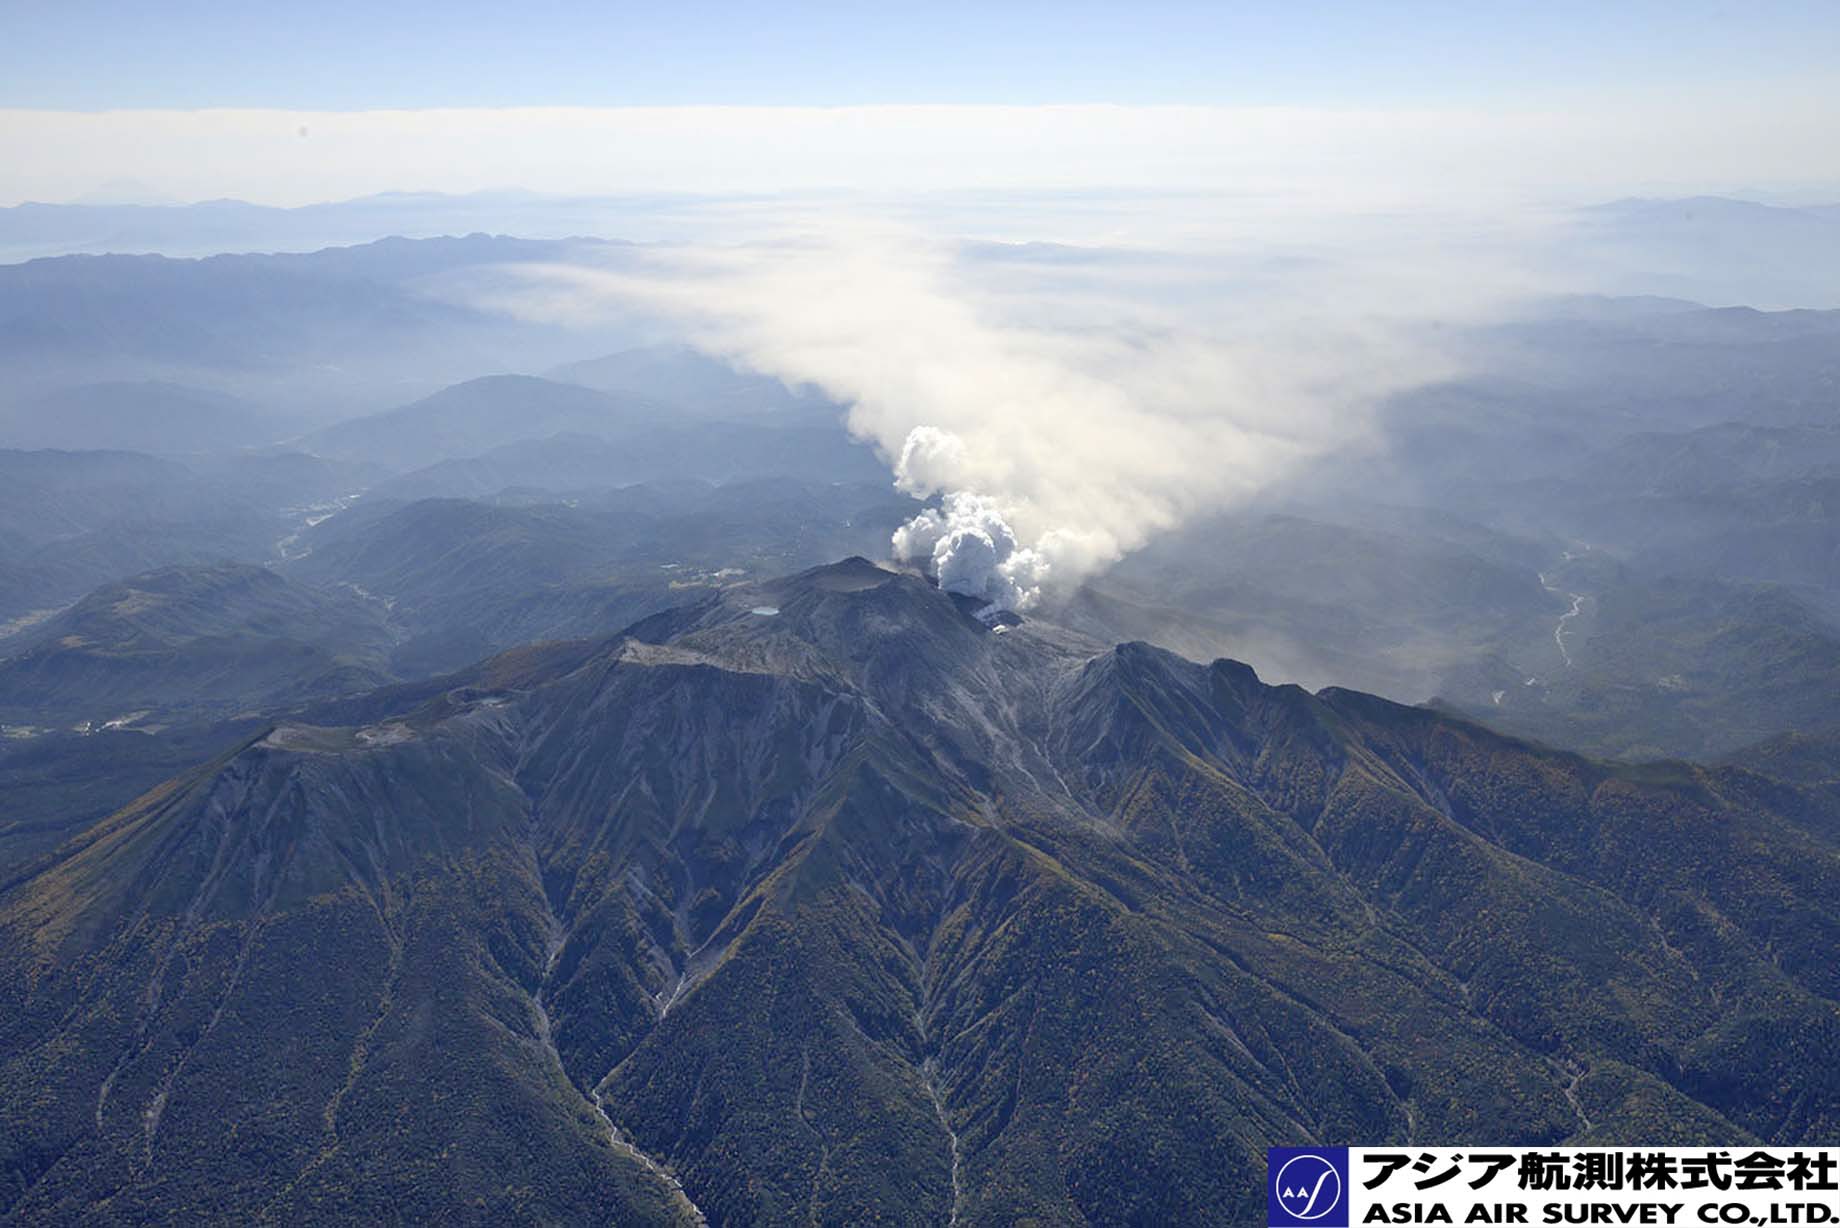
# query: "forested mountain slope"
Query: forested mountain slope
{"points": [[837, 905]]}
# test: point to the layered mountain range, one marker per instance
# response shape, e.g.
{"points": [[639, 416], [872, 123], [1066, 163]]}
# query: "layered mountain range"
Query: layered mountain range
{"points": [[822, 900]]}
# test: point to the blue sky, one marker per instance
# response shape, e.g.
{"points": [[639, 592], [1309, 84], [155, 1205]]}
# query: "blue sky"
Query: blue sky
{"points": [[85, 54], [1322, 104]]}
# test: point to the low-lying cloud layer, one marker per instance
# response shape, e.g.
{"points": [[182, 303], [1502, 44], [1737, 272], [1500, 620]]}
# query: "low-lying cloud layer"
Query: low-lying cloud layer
{"points": [[1067, 404], [1579, 147]]}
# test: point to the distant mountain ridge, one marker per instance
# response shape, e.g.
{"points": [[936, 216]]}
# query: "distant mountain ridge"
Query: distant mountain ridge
{"points": [[700, 384], [181, 642], [476, 416], [137, 416], [214, 226], [307, 334]]}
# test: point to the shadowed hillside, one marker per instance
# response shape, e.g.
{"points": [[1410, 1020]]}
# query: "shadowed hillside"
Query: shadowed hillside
{"points": [[830, 902]]}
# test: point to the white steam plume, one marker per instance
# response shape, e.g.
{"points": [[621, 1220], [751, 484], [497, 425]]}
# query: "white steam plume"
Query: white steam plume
{"points": [[968, 545], [1069, 403]]}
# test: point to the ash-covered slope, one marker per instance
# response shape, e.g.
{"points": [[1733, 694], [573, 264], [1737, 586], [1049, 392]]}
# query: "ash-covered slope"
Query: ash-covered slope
{"points": [[832, 904]]}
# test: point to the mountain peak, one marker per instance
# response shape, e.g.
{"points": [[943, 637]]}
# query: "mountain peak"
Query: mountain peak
{"points": [[831, 832], [851, 575]]}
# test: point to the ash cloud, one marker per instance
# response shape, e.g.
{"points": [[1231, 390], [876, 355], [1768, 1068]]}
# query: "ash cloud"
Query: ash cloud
{"points": [[1065, 404]]}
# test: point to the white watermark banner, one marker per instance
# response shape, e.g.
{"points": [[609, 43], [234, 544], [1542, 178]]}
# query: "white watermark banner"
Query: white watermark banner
{"points": [[1341, 1187]]}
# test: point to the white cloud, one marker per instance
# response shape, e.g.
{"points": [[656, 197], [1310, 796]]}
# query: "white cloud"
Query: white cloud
{"points": [[1333, 156]]}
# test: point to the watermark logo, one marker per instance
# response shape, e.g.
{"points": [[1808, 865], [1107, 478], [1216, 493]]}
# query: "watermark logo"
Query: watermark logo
{"points": [[1307, 1187]]}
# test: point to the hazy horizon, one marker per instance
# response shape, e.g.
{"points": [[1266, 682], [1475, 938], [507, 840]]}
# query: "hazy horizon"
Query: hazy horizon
{"points": [[1372, 106]]}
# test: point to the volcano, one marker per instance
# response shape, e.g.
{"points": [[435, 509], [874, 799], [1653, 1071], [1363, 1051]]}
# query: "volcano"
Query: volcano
{"points": [[821, 900]]}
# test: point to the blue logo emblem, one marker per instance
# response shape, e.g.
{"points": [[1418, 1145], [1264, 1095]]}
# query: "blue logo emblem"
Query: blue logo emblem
{"points": [[1307, 1187]]}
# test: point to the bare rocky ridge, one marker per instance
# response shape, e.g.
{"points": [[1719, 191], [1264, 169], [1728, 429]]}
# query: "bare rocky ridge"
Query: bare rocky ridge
{"points": [[860, 911]]}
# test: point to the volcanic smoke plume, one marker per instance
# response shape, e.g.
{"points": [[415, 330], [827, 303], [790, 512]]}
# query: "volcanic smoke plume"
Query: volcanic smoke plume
{"points": [[966, 544], [1064, 407]]}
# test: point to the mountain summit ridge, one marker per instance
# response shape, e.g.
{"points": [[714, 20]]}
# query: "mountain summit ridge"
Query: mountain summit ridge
{"points": [[826, 900]]}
